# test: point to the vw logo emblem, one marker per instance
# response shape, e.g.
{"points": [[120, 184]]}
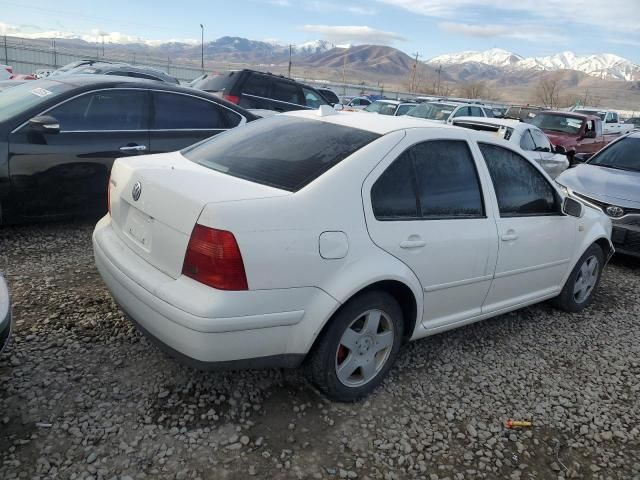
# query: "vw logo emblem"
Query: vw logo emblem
{"points": [[614, 211], [137, 190]]}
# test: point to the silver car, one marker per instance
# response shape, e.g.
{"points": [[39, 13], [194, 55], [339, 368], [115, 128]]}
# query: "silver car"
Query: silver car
{"points": [[5, 314], [610, 180]]}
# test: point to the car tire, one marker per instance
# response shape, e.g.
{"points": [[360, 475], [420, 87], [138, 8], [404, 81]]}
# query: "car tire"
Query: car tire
{"points": [[358, 346], [578, 292]]}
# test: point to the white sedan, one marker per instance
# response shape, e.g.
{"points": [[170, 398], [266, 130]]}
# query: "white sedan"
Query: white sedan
{"points": [[531, 140], [259, 247]]}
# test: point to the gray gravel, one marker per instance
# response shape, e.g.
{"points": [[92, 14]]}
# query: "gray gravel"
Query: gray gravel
{"points": [[84, 396]]}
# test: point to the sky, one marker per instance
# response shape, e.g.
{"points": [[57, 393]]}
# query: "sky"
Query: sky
{"points": [[427, 27]]}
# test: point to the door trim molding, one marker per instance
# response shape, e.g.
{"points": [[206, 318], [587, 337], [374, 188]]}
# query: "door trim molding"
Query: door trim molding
{"points": [[458, 283], [531, 269]]}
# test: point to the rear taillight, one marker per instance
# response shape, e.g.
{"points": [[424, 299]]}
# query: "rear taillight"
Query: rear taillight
{"points": [[232, 98], [213, 258]]}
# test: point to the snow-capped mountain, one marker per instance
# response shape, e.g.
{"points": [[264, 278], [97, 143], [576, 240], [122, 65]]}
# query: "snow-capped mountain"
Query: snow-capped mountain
{"points": [[495, 56], [606, 66], [316, 46]]}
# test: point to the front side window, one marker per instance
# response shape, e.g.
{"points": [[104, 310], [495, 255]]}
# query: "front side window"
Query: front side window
{"points": [[276, 151], [312, 99], [404, 109], [462, 112], [541, 140], [287, 92], [520, 188], [104, 110], [434, 180], [476, 112], [182, 112]]}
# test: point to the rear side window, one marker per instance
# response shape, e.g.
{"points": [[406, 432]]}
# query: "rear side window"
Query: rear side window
{"points": [[476, 112], [520, 188], [462, 112], [448, 185], [276, 151], [403, 109], [182, 112], [287, 92], [434, 180], [257, 85], [393, 196]]}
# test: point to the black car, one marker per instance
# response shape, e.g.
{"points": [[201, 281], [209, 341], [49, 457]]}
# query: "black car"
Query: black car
{"points": [[259, 90], [124, 70], [59, 137]]}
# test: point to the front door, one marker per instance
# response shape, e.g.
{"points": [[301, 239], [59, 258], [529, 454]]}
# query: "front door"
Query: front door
{"points": [[180, 120], [536, 238], [66, 173], [428, 209]]}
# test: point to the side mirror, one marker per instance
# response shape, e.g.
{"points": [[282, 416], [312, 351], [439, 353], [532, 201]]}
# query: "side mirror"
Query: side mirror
{"points": [[338, 106], [45, 124], [572, 207], [590, 134], [560, 149]]}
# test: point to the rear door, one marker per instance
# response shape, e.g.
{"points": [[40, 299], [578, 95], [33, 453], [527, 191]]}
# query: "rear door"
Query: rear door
{"points": [[426, 207], [67, 172], [179, 120]]}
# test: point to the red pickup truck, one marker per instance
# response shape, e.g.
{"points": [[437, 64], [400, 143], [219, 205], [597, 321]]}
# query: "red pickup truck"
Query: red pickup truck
{"points": [[576, 132]]}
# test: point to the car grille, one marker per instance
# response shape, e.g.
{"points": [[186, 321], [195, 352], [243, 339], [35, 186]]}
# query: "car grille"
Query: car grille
{"points": [[604, 205]]}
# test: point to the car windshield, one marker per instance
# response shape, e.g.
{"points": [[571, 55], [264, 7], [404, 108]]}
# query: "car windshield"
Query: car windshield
{"points": [[557, 123], [276, 151], [621, 155], [432, 111], [24, 97], [383, 108], [595, 113], [214, 83]]}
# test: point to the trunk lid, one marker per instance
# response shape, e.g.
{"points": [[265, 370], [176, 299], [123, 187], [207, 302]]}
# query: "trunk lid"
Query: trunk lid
{"points": [[156, 201]]}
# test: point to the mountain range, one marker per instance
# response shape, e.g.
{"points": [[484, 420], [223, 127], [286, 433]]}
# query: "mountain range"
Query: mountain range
{"points": [[606, 66]]}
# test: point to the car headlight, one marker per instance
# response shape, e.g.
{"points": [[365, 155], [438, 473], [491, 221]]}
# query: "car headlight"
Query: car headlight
{"points": [[563, 189]]}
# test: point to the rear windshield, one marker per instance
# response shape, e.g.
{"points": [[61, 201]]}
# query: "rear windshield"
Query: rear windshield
{"points": [[216, 83], [280, 151], [19, 99]]}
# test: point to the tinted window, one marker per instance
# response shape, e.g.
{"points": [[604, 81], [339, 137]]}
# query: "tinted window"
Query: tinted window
{"points": [[476, 112], [104, 110], [520, 188], [526, 142], [330, 96], [216, 83], [312, 99], [393, 196], [257, 85], [287, 92], [173, 111], [276, 151], [447, 181]]}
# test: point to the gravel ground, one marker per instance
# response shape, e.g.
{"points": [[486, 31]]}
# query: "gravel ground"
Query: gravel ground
{"points": [[84, 396]]}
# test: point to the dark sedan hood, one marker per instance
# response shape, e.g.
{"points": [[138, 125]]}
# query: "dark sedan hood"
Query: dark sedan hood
{"points": [[608, 185]]}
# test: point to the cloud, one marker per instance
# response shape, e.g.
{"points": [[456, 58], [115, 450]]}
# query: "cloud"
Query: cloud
{"points": [[353, 34], [279, 3], [325, 7], [619, 16], [514, 31]]}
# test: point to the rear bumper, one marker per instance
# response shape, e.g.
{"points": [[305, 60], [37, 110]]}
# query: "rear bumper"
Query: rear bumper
{"points": [[239, 329]]}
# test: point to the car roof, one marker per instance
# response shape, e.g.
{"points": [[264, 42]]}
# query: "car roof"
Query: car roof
{"points": [[570, 114], [380, 124], [389, 101]]}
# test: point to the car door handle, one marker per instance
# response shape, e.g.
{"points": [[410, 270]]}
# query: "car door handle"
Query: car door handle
{"points": [[412, 244], [510, 236], [133, 148]]}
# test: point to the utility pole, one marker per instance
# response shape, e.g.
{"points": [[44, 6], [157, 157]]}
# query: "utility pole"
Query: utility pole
{"points": [[344, 68], [289, 71], [439, 73], [415, 69], [202, 47], [55, 54]]}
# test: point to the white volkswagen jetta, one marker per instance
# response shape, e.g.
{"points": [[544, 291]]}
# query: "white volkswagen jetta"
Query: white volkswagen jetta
{"points": [[335, 238]]}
